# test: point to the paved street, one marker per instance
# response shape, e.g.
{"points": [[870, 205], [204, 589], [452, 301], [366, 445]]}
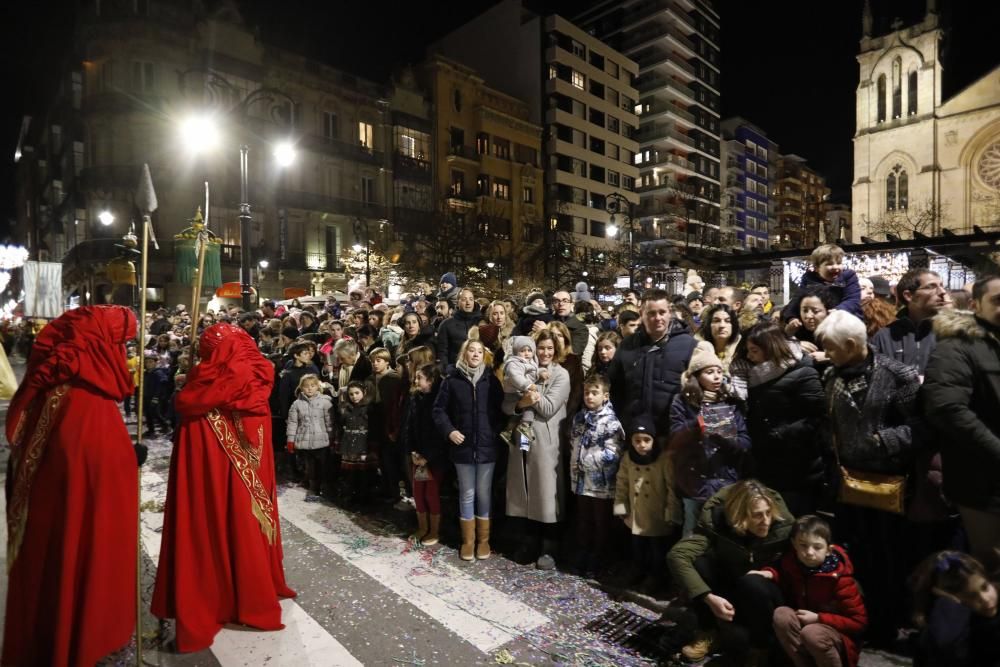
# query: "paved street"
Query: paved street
{"points": [[368, 597]]}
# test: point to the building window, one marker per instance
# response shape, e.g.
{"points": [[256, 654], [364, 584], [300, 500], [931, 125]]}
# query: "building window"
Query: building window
{"points": [[897, 88], [628, 182], [501, 148], [553, 72], [483, 143], [106, 80], [613, 124], [528, 195], [331, 129], [457, 183], [762, 152], [368, 189], [614, 178], [483, 185], [457, 137], [577, 79], [897, 189], [579, 50], [528, 233], [911, 93], [366, 135], [142, 77], [880, 93], [501, 188], [597, 60]]}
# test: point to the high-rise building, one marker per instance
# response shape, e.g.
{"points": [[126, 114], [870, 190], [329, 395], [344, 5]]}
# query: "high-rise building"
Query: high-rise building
{"points": [[582, 91], [800, 196], [676, 44], [747, 169]]}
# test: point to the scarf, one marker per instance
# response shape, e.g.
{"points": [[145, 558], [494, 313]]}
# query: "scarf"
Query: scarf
{"points": [[709, 396], [472, 374], [853, 380], [534, 310], [644, 459], [829, 564], [767, 371]]}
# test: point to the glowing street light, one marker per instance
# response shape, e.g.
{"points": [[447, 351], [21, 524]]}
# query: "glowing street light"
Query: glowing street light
{"points": [[200, 133], [490, 265], [284, 154], [611, 230], [263, 263], [106, 218], [357, 247]]}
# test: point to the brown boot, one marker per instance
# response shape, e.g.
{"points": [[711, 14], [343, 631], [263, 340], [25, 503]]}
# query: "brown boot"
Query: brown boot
{"points": [[468, 539], [431, 538], [482, 538], [421, 530]]}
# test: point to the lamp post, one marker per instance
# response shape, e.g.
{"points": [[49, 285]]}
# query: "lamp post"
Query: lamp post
{"points": [[361, 230], [201, 134], [618, 205]]}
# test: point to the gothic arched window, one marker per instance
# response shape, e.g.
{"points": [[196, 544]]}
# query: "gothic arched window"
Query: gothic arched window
{"points": [[911, 93], [881, 98], [897, 189], [897, 88]]}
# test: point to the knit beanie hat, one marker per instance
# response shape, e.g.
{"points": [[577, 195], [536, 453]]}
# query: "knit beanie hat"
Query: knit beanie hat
{"points": [[290, 332], [703, 357], [533, 296], [450, 279], [520, 342], [693, 296], [643, 424], [582, 292]]}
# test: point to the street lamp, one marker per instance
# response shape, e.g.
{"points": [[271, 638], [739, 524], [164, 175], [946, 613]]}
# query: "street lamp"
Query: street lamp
{"points": [[106, 218], [200, 133], [618, 205], [263, 263]]}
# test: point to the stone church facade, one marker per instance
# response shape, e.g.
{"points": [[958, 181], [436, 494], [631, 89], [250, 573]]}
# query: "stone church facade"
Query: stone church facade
{"points": [[920, 163]]}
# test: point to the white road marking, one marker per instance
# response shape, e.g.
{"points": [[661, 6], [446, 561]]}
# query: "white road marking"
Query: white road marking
{"points": [[473, 610]]}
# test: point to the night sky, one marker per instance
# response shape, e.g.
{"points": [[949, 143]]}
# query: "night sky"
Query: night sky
{"points": [[788, 67]]}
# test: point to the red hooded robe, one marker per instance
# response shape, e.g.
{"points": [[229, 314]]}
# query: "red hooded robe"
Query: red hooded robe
{"points": [[221, 557], [72, 495]]}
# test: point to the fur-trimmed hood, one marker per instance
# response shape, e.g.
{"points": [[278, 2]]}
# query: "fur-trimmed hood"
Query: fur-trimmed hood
{"points": [[958, 324]]}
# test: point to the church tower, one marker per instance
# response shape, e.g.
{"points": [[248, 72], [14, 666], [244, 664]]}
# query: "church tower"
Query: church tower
{"points": [[899, 90]]}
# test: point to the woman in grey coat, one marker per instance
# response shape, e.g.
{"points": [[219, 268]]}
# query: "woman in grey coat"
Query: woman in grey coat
{"points": [[536, 487]]}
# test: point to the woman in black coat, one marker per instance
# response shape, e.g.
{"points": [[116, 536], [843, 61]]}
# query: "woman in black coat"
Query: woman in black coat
{"points": [[414, 334], [786, 405], [468, 413]]}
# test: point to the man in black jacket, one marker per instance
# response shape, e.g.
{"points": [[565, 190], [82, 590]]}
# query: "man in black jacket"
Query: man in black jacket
{"points": [[646, 371], [910, 339], [562, 309], [455, 330], [961, 399]]}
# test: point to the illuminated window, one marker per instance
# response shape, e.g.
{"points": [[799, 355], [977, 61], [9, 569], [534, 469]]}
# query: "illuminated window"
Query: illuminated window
{"points": [[366, 135], [577, 79]]}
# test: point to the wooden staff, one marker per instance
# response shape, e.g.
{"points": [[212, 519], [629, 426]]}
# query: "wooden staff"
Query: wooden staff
{"points": [[145, 200]]}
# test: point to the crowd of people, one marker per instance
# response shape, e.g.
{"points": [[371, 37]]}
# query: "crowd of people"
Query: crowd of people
{"points": [[730, 437], [808, 477]]}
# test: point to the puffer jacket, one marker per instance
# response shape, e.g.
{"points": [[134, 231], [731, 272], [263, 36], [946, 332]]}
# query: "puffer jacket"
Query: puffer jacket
{"points": [[419, 432], [453, 332], [645, 376], [473, 411], [597, 437], [709, 446], [961, 400], [834, 595], [732, 555], [783, 415], [310, 423]]}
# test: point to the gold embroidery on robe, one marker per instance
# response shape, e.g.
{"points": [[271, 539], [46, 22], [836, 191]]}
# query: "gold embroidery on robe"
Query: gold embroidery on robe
{"points": [[26, 462], [246, 460]]}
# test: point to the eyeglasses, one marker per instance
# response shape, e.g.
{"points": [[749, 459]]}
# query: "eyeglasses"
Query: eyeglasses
{"points": [[562, 301]]}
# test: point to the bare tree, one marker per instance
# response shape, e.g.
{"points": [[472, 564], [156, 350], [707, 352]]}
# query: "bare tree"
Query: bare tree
{"points": [[926, 217]]}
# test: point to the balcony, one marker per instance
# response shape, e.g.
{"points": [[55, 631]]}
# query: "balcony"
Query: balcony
{"points": [[655, 32], [310, 201], [648, 83], [463, 153], [637, 12], [660, 56], [410, 167], [350, 150], [669, 158], [652, 133]]}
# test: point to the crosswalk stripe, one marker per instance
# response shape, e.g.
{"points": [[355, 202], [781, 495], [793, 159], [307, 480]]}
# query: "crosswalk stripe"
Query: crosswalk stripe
{"points": [[303, 641], [473, 610]]}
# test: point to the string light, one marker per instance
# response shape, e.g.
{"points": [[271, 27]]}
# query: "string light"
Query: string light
{"points": [[12, 257]]}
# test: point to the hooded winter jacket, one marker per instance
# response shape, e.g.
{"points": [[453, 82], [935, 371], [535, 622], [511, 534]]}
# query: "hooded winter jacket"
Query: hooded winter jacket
{"points": [[961, 400], [453, 332]]}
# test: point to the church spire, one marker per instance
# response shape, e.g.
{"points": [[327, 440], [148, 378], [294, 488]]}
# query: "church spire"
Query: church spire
{"points": [[866, 18]]}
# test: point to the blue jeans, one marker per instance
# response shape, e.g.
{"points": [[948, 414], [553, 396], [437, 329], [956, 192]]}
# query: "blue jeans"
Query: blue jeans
{"points": [[475, 482]]}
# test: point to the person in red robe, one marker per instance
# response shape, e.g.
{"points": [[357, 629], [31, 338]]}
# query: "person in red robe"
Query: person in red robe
{"points": [[72, 495], [221, 557]]}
